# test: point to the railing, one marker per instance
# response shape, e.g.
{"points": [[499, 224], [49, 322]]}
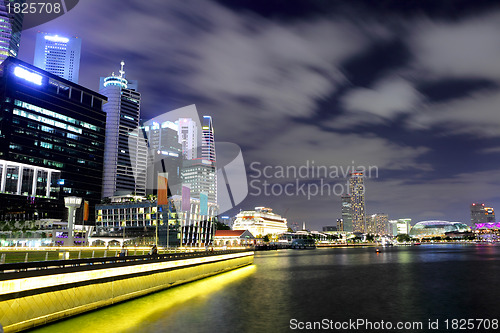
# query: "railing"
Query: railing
{"points": [[37, 268]]}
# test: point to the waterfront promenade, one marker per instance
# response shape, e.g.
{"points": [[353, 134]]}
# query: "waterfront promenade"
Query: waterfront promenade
{"points": [[35, 293]]}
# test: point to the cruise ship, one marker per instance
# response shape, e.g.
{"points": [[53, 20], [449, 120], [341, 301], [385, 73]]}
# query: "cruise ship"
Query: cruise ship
{"points": [[260, 222]]}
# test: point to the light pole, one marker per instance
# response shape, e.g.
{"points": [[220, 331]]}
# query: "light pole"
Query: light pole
{"points": [[72, 203]]}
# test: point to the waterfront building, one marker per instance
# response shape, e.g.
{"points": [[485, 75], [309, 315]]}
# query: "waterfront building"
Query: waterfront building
{"points": [[346, 213], [51, 143], [477, 213], [125, 154], [188, 137], [399, 226], [58, 55], [136, 216], [357, 192], [10, 29], [260, 222], [429, 229], [233, 238], [377, 223]]}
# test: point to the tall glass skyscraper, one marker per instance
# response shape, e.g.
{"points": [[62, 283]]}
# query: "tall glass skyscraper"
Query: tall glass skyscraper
{"points": [[58, 55], [10, 29], [357, 191], [346, 213], [51, 142], [125, 158]]}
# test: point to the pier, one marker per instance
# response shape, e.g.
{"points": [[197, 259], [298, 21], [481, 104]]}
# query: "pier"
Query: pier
{"points": [[35, 293]]}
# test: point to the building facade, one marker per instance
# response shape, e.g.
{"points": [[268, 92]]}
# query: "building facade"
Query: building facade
{"points": [[51, 141], [188, 137], [138, 217], [477, 213], [260, 222], [357, 192], [346, 213], [200, 176], [377, 224], [125, 154], [10, 29], [399, 226], [58, 55], [164, 156]]}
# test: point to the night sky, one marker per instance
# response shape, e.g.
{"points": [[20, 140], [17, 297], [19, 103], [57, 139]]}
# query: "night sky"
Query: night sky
{"points": [[411, 87]]}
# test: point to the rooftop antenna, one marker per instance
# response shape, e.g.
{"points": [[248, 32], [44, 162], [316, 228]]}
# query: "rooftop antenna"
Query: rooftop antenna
{"points": [[122, 72]]}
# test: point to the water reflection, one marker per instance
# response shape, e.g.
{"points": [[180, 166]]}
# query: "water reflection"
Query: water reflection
{"points": [[131, 316]]}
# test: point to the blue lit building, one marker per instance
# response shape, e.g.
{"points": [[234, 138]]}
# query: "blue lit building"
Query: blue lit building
{"points": [[58, 55], [51, 143], [10, 29]]}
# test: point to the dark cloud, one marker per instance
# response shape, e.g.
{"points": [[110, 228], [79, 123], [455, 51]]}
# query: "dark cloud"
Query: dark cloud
{"points": [[408, 86]]}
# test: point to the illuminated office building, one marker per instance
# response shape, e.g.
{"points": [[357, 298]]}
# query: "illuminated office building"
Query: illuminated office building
{"points": [[377, 223], [51, 142], [346, 213], [490, 214], [125, 156], [357, 192], [188, 137], [200, 176], [58, 55], [477, 213], [10, 29], [207, 140]]}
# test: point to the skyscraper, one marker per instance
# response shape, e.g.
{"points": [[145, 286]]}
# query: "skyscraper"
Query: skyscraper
{"points": [[357, 191], [208, 143], [346, 213], [51, 142], [10, 29], [164, 156], [378, 223], [188, 137], [200, 175], [125, 158], [477, 213], [58, 55]]}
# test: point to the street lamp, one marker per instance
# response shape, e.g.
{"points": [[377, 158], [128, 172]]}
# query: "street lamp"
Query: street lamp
{"points": [[72, 203]]}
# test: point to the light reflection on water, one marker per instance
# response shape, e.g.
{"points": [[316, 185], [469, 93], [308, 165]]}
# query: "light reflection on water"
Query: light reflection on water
{"points": [[399, 284], [132, 315]]}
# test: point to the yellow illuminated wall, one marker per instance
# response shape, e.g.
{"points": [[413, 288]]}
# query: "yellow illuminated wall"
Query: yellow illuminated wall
{"points": [[25, 312]]}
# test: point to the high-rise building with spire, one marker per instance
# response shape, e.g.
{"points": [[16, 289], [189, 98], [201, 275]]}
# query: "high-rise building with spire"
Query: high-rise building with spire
{"points": [[125, 157], [357, 191], [11, 23], [58, 55]]}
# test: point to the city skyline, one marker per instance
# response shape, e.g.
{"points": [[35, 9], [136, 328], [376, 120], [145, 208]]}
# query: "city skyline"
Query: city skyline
{"points": [[394, 87]]}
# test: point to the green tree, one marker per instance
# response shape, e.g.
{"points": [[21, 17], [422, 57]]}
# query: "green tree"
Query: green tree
{"points": [[266, 238], [403, 238], [221, 226], [370, 238]]}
